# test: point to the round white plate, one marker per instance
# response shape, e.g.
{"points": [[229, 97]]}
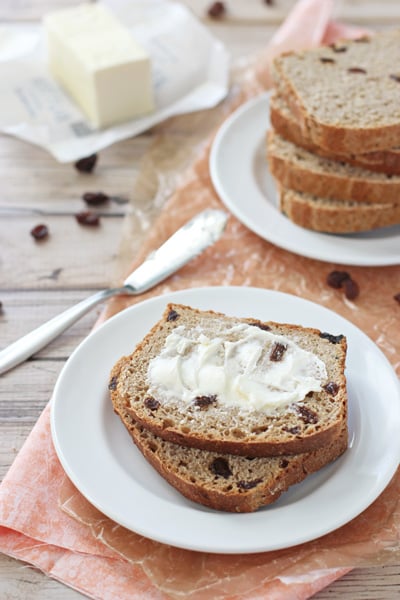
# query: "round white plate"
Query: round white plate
{"points": [[98, 455], [239, 171]]}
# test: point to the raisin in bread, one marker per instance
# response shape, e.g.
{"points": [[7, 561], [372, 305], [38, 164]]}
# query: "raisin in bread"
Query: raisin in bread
{"points": [[336, 216], [285, 125], [225, 481], [206, 421], [345, 96], [298, 169]]}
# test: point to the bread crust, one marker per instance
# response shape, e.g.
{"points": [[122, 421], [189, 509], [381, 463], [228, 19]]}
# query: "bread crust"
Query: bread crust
{"points": [[381, 161], [214, 431], [326, 178]]}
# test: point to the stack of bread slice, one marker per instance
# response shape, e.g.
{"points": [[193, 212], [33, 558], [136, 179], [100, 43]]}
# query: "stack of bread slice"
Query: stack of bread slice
{"points": [[334, 145], [219, 455]]}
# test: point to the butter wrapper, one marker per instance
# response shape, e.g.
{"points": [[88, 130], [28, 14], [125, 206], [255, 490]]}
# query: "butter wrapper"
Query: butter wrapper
{"points": [[190, 72]]}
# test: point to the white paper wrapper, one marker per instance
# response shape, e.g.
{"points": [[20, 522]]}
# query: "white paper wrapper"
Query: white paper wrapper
{"points": [[190, 72]]}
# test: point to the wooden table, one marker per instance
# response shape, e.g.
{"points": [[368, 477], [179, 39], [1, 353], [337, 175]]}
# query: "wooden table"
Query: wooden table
{"points": [[38, 280]]}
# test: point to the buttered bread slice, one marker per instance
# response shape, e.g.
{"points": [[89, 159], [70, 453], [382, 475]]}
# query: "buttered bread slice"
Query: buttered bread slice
{"points": [[239, 386]]}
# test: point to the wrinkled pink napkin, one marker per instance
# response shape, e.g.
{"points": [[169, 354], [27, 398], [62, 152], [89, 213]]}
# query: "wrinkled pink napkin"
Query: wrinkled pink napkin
{"points": [[34, 529], [37, 531]]}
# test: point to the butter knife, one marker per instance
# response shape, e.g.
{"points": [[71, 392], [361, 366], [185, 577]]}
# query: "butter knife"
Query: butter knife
{"points": [[186, 243]]}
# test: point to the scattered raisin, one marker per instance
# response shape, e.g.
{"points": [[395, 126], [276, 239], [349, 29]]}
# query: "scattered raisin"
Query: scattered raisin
{"points": [[151, 403], [248, 485], [220, 467], [334, 339], [95, 198], [351, 289], [307, 415], [40, 232], [332, 388], [277, 352], [395, 77], [342, 279], [397, 297], [363, 39], [88, 218], [356, 70], [203, 402], [113, 383], [216, 10], [338, 48], [269, 2], [172, 315], [283, 463], [87, 164], [325, 59], [335, 279]]}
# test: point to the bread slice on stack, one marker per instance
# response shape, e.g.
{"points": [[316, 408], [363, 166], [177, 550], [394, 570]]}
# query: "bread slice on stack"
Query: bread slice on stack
{"points": [[334, 147], [228, 456]]}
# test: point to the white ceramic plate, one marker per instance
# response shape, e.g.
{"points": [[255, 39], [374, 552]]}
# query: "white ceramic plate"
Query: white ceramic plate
{"points": [[239, 171], [98, 455]]}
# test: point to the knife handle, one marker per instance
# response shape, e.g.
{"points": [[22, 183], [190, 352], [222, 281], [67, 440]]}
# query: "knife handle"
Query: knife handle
{"points": [[37, 339]]}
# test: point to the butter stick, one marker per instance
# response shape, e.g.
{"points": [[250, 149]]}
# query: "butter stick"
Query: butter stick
{"points": [[97, 61]]}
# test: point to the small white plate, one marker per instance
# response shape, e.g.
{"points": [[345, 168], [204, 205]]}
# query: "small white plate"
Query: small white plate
{"points": [[98, 455], [239, 171]]}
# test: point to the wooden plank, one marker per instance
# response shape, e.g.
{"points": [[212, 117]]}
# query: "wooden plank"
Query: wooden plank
{"points": [[30, 583], [51, 185], [260, 12], [72, 256], [238, 12], [374, 583], [243, 41], [25, 582], [31, 10], [19, 581], [81, 256], [24, 310]]}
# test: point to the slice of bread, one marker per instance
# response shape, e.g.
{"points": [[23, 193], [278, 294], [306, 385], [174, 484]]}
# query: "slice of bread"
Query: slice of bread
{"points": [[285, 125], [225, 481], [336, 216], [207, 422], [301, 170], [345, 96]]}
